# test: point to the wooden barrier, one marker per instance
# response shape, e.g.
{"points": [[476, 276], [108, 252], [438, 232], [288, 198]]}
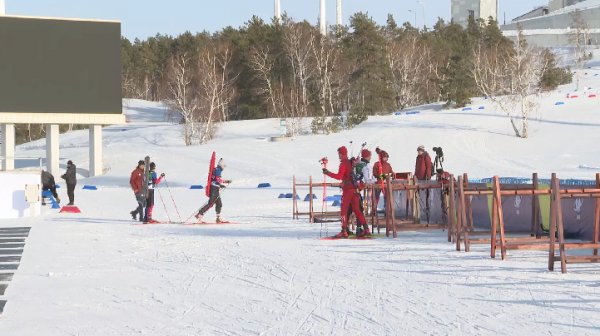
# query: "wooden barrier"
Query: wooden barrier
{"points": [[313, 215], [498, 235], [412, 220], [557, 227]]}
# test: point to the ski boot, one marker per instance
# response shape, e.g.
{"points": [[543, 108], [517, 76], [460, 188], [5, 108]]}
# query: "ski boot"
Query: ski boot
{"points": [[220, 220], [133, 215], [365, 233], [199, 217], [342, 234]]}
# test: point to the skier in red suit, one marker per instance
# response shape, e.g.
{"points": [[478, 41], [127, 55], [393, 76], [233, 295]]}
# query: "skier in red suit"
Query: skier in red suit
{"points": [[350, 194]]}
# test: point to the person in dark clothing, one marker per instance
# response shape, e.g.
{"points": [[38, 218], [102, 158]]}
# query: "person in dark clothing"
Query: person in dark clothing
{"points": [[70, 177], [153, 181], [136, 181], [215, 193], [48, 183]]}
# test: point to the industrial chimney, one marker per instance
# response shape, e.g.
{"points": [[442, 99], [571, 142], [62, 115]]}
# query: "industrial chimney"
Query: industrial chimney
{"points": [[339, 19], [277, 10], [323, 17]]}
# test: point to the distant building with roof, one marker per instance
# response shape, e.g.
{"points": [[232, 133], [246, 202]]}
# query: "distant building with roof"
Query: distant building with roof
{"points": [[555, 24]]}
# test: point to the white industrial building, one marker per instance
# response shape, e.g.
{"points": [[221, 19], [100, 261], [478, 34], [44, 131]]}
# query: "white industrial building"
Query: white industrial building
{"points": [[462, 10], [557, 25]]}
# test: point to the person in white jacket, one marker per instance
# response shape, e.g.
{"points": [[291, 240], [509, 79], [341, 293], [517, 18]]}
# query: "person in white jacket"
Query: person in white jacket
{"points": [[367, 170], [367, 173]]}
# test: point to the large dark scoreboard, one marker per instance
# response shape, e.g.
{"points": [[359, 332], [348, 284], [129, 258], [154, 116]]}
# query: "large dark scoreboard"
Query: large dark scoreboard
{"points": [[59, 66]]}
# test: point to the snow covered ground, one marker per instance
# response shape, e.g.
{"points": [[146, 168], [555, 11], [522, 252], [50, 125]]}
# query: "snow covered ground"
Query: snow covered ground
{"points": [[97, 274]]}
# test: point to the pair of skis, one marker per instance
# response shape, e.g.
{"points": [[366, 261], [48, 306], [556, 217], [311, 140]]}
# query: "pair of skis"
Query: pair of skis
{"points": [[188, 223], [351, 237]]}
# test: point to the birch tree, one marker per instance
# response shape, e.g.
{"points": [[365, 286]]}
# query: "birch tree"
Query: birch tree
{"points": [[183, 96], [510, 79]]}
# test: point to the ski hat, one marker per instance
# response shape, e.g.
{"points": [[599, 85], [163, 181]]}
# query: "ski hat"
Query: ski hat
{"points": [[69, 162], [421, 148], [343, 150], [141, 162], [152, 165], [365, 153], [384, 154], [221, 163]]}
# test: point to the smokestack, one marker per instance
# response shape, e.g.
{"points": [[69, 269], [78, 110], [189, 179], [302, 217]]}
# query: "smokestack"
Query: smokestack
{"points": [[2, 8], [277, 10], [339, 19], [323, 17]]}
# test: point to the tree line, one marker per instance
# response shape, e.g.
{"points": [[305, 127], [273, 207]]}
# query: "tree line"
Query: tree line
{"points": [[287, 69]]}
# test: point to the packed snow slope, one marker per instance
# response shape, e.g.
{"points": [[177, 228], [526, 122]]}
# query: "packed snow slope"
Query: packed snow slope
{"points": [[97, 274], [478, 141]]}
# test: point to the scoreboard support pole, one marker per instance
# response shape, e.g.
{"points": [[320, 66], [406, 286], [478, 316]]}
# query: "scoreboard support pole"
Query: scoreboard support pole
{"points": [[96, 165], [8, 146], [52, 150]]}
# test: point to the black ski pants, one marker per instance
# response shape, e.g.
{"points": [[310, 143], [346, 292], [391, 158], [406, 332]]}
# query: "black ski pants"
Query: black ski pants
{"points": [[214, 199], [71, 192]]}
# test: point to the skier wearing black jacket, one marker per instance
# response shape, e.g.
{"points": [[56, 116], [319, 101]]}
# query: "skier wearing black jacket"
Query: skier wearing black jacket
{"points": [[48, 183]]}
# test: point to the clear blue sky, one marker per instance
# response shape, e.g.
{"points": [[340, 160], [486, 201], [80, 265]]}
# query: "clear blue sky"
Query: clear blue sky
{"points": [[143, 18]]}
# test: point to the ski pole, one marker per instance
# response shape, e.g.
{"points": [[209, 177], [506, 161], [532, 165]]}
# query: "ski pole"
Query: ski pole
{"points": [[172, 199], [164, 205], [323, 162]]}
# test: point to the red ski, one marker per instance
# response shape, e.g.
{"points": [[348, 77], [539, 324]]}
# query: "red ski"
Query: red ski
{"points": [[347, 238], [212, 223]]}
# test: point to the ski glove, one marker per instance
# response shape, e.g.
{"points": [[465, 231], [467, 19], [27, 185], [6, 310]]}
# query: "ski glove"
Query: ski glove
{"points": [[162, 175], [325, 171]]}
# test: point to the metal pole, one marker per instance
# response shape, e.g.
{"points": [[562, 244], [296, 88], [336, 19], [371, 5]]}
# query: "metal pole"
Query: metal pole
{"points": [[415, 13]]}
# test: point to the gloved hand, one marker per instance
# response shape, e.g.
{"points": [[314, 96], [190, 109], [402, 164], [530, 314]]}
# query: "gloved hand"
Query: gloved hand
{"points": [[162, 175], [223, 186], [325, 171], [227, 181]]}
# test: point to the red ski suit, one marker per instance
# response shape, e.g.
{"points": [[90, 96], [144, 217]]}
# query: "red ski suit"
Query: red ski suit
{"points": [[350, 196], [423, 167]]}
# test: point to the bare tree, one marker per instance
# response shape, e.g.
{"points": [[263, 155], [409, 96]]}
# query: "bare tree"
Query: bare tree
{"points": [[262, 64], [407, 59], [183, 96], [325, 56], [510, 79], [579, 39], [298, 39], [214, 88], [284, 101]]}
